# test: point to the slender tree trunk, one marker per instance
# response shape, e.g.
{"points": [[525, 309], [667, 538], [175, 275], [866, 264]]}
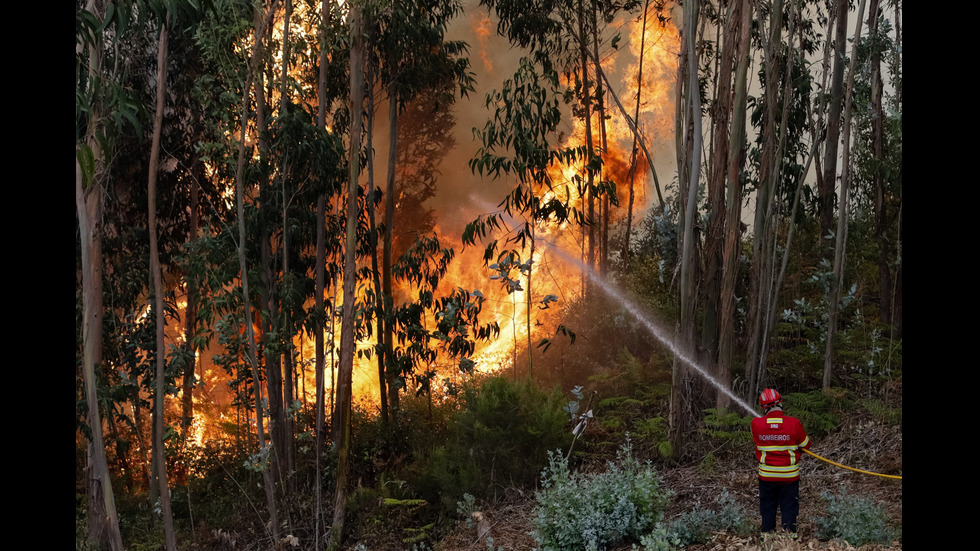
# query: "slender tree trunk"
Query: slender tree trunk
{"points": [[527, 309], [775, 173], [379, 313], [387, 289], [764, 223], [633, 151], [829, 181], [103, 523], [724, 235], [261, 24], [321, 277], [692, 157], [190, 314], [344, 390], [715, 236], [601, 113], [881, 203], [587, 105], [840, 243], [287, 362], [156, 282]]}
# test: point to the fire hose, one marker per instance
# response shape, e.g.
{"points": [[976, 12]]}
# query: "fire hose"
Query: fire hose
{"points": [[850, 468]]}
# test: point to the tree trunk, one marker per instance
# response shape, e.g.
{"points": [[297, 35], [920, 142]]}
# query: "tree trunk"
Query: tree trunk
{"points": [[689, 186], [715, 235], [321, 278], [829, 181], [251, 351], [775, 172], [765, 217], [103, 523], [587, 105], [190, 315], [840, 243], [392, 375], [379, 311], [724, 235], [633, 151], [344, 390], [601, 112], [885, 248], [156, 282]]}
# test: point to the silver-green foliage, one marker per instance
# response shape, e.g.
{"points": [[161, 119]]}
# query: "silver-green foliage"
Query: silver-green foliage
{"points": [[856, 520], [660, 539], [697, 525], [596, 510]]}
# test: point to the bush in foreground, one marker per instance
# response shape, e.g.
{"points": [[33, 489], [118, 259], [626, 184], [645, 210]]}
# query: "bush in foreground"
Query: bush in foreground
{"points": [[856, 520], [595, 510]]}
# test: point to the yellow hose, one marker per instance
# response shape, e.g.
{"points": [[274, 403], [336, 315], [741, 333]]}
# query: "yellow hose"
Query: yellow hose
{"points": [[850, 468]]}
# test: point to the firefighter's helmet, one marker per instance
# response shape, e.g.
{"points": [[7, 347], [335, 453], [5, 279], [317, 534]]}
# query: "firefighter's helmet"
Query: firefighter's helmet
{"points": [[769, 398]]}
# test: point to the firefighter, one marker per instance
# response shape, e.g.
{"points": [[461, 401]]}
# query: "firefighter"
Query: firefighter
{"points": [[778, 439]]}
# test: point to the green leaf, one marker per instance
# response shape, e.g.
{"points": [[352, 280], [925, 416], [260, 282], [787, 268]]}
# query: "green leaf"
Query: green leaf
{"points": [[86, 160]]}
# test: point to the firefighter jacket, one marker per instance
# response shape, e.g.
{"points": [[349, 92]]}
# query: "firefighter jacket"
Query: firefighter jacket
{"points": [[778, 439]]}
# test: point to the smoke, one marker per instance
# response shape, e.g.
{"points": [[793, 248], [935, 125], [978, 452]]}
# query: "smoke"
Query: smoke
{"points": [[459, 196]]}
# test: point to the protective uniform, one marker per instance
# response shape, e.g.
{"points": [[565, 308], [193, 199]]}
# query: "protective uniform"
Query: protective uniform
{"points": [[778, 439]]}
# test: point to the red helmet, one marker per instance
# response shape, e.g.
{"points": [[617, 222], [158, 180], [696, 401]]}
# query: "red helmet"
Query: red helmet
{"points": [[769, 398]]}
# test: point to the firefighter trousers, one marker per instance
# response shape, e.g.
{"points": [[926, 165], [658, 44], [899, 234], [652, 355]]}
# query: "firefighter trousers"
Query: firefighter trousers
{"points": [[785, 496]]}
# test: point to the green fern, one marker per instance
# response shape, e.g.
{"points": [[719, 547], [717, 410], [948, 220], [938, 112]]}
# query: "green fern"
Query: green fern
{"points": [[727, 427], [882, 412], [818, 410]]}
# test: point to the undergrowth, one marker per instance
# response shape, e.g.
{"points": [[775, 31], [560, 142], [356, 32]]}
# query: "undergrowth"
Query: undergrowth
{"points": [[593, 511], [856, 520], [697, 525]]}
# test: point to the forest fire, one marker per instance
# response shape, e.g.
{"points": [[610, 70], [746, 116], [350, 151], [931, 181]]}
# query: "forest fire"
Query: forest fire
{"points": [[350, 246], [549, 275]]}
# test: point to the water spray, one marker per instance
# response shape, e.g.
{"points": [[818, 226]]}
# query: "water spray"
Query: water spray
{"points": [[659, 333]]}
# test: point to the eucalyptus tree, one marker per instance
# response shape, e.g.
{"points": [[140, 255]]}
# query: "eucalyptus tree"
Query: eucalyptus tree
{"points": [[723, 237], [840, 241], [827, 183], [156, 282], [777, 164], [342, 410], [878, 151], [415, 62], [689, 175], [262, 19], [92, 111], [106, 111], [518, 141]]}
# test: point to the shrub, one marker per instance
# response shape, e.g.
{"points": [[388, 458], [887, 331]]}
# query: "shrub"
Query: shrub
{"points": [[697, 525], [856, 520], [501, 438], [660, 539], [578, 511]]}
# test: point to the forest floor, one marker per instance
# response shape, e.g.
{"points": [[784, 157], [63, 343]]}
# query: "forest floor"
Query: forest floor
{"points": [[860, 442]]}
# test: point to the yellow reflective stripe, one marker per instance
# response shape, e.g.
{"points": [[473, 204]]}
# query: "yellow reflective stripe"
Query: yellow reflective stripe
{"points": [[805, 442], [778, 448], [774, 420], [777, 475], [779, 468]]}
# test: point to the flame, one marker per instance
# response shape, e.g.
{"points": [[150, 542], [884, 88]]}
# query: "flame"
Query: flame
{"points": [[481, 28], [549, 274]]}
